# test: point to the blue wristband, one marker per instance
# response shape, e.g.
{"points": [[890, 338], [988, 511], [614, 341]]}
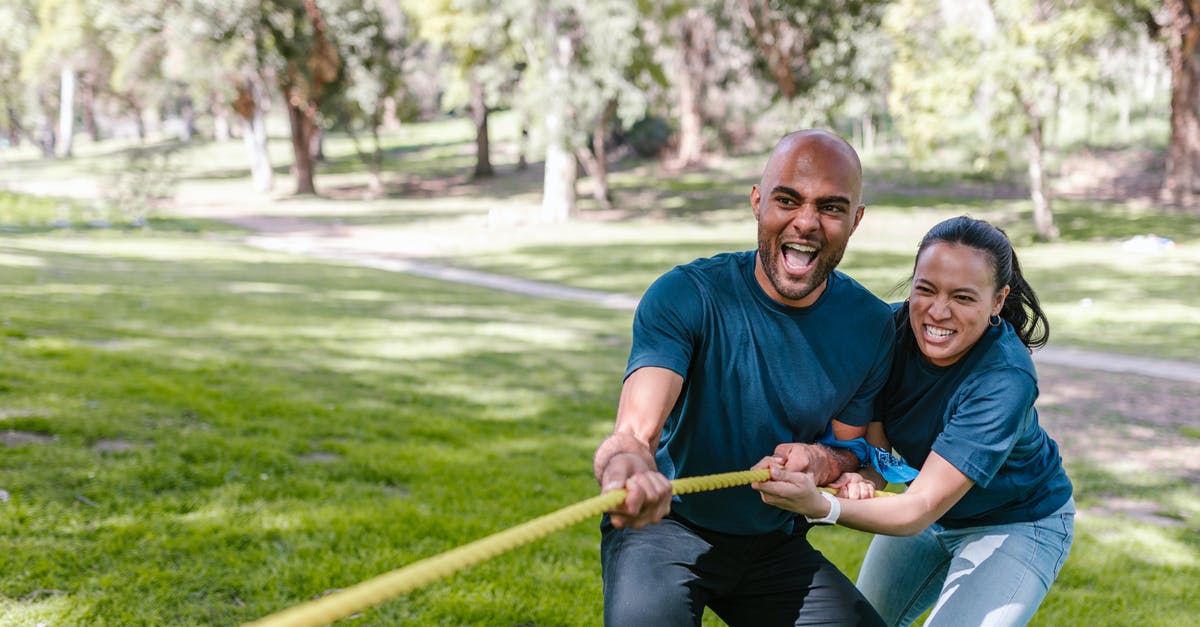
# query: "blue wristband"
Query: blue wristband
{"points": [[891, 467]]}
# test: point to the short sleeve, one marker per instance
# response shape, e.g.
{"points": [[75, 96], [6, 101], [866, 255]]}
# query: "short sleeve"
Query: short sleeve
{"points": [[986, 419], [860, 410], [667, 323]]}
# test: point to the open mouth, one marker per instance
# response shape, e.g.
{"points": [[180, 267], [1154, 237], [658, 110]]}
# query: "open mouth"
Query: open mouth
{"points": [[938, 333], [798, 258]]}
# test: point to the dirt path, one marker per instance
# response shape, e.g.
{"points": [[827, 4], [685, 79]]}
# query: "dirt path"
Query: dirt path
{"points": [[1133, 417]]}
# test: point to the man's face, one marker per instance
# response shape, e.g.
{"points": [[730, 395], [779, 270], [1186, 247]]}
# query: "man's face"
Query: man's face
{"points": [[807, 205]]}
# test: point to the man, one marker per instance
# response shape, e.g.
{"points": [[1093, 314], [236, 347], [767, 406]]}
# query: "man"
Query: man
{"points": [[731, 357]]}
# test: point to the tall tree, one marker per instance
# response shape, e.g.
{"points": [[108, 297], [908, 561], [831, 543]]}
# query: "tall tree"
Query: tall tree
{"points": [[294, 47], [584, 64], [984, 77], [310, 65], [1177, 24], [475, 35], [66, 38]]}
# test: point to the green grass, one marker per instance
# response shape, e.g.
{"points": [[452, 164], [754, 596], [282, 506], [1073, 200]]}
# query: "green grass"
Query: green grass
{"points": [[200, 433], [219, 433]]}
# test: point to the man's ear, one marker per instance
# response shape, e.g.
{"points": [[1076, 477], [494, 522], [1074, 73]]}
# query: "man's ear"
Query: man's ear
{"points": [[755, 198], [858, 214]]}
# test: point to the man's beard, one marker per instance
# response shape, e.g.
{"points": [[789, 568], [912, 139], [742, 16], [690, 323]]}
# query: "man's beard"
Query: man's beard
{"points": [[827, 260]]}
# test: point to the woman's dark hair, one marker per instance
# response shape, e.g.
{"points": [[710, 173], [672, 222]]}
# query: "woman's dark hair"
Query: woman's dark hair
{"points": [[1021, 308]]}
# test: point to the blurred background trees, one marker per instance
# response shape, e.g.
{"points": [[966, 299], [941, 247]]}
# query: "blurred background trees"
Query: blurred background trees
{"points": [[1000, 88]]}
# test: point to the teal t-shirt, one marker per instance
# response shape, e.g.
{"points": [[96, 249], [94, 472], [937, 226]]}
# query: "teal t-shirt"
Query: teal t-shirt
{"points": [[979, 415], [756, 374]]}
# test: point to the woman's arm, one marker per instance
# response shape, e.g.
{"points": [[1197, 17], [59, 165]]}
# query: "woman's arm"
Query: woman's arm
{"points": [[862, 483], [935, 490]]}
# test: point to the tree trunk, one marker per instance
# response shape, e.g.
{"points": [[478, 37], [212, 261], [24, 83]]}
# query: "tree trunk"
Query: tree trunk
{"points": [[558, 187], [66, 112], [479, 115], [254, 135], [595, 161], [373, 160], [1183, 152], [523, 143], [220, 116], [868, 131], [375, 169], [695, 38], [87, 102], [304, 126], [249, 108], [1043, 218], [316, 143], [14, 130]]}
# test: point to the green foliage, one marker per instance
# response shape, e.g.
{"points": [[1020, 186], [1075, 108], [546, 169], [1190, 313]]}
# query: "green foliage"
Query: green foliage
{"points": [[975, 75], [808, 47], [649, 136], [607, 61], [19, 25]]}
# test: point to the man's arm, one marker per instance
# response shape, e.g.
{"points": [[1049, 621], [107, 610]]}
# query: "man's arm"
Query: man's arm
{"points": [[824, 463], [625, 459]]}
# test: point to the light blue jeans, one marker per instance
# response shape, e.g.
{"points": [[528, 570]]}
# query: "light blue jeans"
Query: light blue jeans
{"points": [[990, 575]]}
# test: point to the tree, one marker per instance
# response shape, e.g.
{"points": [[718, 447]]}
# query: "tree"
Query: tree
{"points": [[293, 47], [984, 76], [802, 43], [66, 38], [18, 23], [584, 64], [484, 59], [695, 30], [1177, 25], [309, 65], [376, 39]]}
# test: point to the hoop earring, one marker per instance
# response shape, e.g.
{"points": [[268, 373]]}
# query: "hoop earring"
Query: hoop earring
{"points": [[994, 321]]}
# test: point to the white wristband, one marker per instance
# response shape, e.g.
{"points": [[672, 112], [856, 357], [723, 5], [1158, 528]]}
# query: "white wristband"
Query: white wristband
{"points": [[835, 510]]}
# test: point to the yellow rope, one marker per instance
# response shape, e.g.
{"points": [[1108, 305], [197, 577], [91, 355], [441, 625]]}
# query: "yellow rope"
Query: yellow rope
{"points": [[373, 591]]}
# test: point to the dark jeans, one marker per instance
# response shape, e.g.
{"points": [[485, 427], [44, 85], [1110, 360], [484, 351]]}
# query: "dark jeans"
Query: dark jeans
{"points": [[665, 574]]}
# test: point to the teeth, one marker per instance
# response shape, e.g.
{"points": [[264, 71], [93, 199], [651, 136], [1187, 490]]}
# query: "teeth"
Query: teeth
{"points": [[938, 331], [798, 256]]}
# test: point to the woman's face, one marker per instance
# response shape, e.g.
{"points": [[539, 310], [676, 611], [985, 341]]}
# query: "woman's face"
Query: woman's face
{"points": [[952, 299]]}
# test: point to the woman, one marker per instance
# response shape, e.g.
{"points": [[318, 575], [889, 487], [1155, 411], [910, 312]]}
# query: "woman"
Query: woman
{"points": [[990, 518]]}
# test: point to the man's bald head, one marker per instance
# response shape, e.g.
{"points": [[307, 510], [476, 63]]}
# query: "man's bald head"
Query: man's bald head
{"points": [[800, 144]]}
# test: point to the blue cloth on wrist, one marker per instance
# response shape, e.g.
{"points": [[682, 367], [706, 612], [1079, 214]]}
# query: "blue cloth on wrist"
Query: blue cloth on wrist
{"points": [[889, 466]]}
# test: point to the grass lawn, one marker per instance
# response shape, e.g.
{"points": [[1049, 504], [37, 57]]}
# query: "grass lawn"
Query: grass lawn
{"points": [[200, 433]]}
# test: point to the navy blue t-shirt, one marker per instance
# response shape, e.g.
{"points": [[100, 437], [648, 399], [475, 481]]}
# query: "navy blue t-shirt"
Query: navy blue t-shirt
{"points": [[978, 414], [756, 373]]}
